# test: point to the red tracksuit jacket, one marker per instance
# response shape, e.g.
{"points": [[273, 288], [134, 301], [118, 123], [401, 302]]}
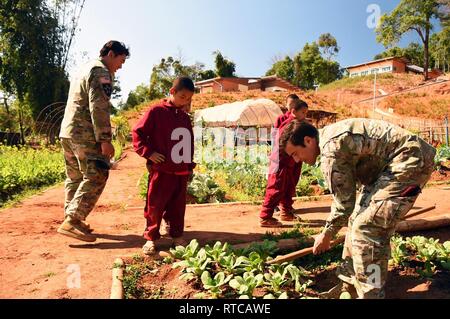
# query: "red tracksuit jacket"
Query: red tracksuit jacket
{"points": [[284, 176], [153, 133]]}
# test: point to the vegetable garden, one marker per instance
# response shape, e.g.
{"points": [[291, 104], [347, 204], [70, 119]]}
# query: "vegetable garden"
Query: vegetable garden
{"points": [[224, 272]]}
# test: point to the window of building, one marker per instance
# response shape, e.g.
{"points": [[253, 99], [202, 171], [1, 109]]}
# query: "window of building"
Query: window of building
{"points": [[375, 71], [386, 69], [365, 73]]}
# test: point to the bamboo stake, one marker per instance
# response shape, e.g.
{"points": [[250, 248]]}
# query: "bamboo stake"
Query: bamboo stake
{"points": [[421, 211], [301, 253]]}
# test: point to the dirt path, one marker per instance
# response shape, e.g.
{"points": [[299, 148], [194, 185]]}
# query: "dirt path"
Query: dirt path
{"points": [[36, 262]]}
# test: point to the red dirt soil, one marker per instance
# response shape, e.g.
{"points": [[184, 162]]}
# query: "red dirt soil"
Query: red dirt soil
{"points": [[34, 259]]}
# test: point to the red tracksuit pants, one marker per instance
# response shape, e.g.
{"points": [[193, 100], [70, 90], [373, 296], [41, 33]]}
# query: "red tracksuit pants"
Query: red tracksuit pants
{"points": [[166, 197], [281, 188]]}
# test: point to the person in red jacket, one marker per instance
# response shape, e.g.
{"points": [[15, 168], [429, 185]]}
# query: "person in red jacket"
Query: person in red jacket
{"points": [[290, 102], [284, 173], [164, 136]]}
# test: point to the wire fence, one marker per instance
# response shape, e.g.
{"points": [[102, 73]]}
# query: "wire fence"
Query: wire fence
{"points": [[434, 132]]}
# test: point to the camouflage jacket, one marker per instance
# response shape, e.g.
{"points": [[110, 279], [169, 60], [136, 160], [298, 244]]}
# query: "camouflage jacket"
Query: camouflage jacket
{"points": [[357, 151], [88, 109]]}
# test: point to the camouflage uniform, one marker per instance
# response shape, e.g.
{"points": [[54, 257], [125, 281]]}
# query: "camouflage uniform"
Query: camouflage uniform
{"points": [[389, 166], [85, 126]]}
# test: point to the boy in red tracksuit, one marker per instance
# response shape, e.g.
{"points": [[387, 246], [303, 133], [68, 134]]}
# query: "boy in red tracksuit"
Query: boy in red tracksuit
{"points": [[284, 173], [164, 136]]}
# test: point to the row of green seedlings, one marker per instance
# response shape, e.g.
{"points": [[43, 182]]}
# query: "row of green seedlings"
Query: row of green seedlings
{"points": [[426, 255], [225, 272], [24, 169], [247, 179], [442, 155]]}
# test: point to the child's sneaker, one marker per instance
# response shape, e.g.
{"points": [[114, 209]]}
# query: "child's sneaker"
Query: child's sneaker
{"points": [[269, 222], [149, 248]]}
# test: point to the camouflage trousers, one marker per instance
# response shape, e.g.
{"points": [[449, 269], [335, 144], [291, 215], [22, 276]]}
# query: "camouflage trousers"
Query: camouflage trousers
{"points": [[378, 209], [85, 181]]}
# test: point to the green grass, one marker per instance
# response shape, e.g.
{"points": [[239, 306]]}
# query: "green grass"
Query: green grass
{"points": [[355, 82], [26, 169]]}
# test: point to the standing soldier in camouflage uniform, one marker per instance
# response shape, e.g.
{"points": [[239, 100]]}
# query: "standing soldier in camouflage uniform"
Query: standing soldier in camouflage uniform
{"points": [[389, 165], [86, 138]]}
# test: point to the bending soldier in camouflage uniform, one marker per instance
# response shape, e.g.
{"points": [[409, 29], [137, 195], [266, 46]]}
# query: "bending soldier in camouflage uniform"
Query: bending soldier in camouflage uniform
{"points": [[389, 165], [86, 138]]}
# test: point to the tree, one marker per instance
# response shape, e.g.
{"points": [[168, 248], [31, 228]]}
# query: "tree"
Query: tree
{"points": [[309, 67], [138, 96], [67, 13], [35, 37], [410, 15], [283, 69], [224, 67], [413, 52], [312, 69], [444, 13], [206, 75], [329, 46], [440, 49]]}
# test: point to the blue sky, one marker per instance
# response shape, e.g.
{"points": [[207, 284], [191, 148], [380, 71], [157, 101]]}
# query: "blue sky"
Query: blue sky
{"points": [[250, 32]]}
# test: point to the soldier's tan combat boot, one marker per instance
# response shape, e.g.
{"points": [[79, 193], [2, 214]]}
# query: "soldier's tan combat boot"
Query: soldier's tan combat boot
{"points": [[72, 228], [84, 225]]}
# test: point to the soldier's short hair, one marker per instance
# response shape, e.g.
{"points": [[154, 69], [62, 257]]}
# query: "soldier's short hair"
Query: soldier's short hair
{"points": [[296, 131], [117, 47], [183, 83]]}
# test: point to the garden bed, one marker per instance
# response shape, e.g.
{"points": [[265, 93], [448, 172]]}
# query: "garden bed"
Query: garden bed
{"points": [[219, 271]]}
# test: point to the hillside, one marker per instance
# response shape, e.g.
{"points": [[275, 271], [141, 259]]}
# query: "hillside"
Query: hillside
{"points": [[345, 97], [202, 101], [406, 95]]}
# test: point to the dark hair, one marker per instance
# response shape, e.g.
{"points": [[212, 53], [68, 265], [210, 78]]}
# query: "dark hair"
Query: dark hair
{"points": [[183, 83], [298, 105], [115, 46], [295, 132], [292, 96]]}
